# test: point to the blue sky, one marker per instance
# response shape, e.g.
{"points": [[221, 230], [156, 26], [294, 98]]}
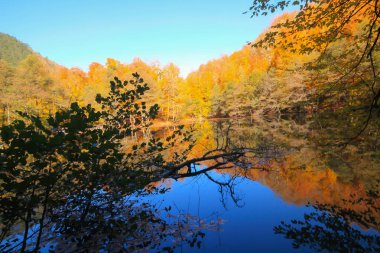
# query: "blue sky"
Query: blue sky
{"points": [[75, 33]]}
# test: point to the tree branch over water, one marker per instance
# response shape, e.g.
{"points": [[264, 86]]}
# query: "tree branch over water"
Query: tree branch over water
{"points": [[317, 27], [79, 166]]}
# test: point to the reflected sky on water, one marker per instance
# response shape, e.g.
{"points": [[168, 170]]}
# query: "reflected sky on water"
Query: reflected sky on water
{"points": [[245, 227], [251, 206]]}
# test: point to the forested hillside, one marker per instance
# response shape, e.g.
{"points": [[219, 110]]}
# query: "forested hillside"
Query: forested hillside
{"points": [[280, 138], [28, 81], [12, 50], [253, 80], [277, 79]]}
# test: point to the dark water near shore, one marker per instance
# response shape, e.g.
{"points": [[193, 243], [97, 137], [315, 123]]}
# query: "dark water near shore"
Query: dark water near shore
{"points": [[303, 190]]}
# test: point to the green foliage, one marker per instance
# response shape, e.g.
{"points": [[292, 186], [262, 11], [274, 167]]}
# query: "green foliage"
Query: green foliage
{"points": [[13, 51], [28, 81]]}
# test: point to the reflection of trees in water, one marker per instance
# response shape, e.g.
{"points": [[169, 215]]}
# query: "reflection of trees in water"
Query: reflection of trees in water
{"points": [[330, 227], [127, 225], [107, 223], [227, 189], [286, 156], [102, 219], [66, 182], [314, 144], [281, 161]]}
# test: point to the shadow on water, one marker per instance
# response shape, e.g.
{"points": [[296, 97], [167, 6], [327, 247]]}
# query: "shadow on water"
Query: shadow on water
{"points": [[68, 185], [335, 228]]}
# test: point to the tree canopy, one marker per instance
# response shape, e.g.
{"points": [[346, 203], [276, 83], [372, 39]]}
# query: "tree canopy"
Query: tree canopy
{"points": [[320, 23], [12, 50]]}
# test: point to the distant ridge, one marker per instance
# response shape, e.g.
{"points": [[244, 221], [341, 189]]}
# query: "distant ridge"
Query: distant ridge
{"points": [[12, 50]]}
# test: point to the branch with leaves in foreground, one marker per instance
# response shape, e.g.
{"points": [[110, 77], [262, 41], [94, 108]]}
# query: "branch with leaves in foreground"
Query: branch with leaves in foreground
{"points": [[317, 26], [69, 177]]}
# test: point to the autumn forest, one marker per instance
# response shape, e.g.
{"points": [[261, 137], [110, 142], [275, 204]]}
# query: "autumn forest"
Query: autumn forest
{"points": [[250, 81], [277, 142]]}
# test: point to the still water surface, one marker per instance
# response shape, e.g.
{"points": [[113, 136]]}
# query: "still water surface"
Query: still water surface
{"points": [[300, 164], [246, 226], [260, 205]]}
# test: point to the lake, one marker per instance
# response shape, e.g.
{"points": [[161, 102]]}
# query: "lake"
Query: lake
{"points": [[276, 188], [299, 188]]}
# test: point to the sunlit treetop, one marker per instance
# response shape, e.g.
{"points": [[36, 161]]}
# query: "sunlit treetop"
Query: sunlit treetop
{"points": [[318, 23]]}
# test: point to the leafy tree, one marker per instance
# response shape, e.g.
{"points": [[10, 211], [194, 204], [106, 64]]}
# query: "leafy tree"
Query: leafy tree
{"points": [[319, 24], [6, 79], [13, 51], [70, 175], [170, 81]]}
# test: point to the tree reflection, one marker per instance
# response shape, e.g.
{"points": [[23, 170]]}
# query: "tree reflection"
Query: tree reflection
{"points": [[124, 225], [297, 169], [74, 181], [337, 229], [112, 224]]}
